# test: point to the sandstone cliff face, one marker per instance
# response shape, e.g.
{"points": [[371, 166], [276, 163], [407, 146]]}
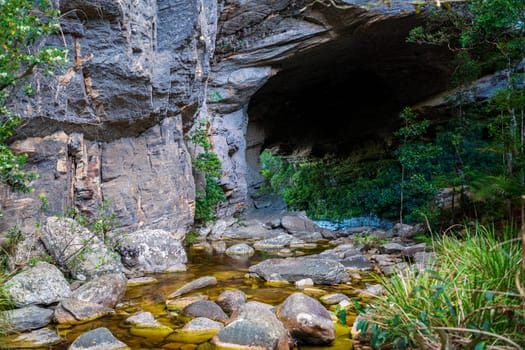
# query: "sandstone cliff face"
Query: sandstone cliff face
{"points": [[112, 125]]}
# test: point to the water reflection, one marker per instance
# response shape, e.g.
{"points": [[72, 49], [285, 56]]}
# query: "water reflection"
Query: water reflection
{"points": [[230, 273]]}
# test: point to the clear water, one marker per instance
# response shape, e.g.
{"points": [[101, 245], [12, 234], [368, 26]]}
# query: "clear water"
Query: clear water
{"points": [[230, 273]]}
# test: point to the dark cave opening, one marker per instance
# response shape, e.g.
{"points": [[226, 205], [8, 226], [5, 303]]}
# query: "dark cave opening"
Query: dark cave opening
{"points": [[345, 94]]}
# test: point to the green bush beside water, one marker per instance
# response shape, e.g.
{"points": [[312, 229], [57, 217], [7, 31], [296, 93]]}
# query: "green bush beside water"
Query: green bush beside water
{"points": [[470, 297]]}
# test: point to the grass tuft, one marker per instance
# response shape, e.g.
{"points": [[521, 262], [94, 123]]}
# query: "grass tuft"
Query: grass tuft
{"points": [[469, 299]]}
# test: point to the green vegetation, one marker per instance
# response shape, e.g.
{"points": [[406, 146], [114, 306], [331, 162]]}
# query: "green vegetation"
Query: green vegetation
{"points": [[24, 25], [208, 164], [469, 298], [401, 185]]}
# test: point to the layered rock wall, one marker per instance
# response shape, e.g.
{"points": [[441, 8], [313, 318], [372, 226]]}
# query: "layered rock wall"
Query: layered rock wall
{"points": [[113, 124], [110, 125]]}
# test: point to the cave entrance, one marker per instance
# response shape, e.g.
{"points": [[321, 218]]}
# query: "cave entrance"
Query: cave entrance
{"points": [[339, 96]]}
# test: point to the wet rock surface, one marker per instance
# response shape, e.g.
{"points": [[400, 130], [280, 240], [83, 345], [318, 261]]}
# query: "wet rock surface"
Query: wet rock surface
{"points": [[306, 319], [98, 339], [321, 271], [254, 326]]}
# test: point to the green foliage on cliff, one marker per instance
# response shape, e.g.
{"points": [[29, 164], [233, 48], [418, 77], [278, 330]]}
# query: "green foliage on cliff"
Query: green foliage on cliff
{"points": [[208, 164], [24, 24]]}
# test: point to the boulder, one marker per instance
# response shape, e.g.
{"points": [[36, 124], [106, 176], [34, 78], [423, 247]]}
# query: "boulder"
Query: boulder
{"points": [[106, 290], [231, 300], [357, 262], [306, 319], [77, 250], [321, 271], [26, 318], [299, 225], [254, 327], [241, 249], [72, 311], [391, 248], [205, 308], [151, 251], [201, 282], [40, 284], [98, 339], [405, 231], [250, 229], [278, 242]]}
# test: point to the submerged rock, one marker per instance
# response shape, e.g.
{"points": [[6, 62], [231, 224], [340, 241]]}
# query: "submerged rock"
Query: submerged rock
{"points": [[201, 282], [98, 339], [306, 319], [144, 324], [181, 303], [38, 339], [197, 331], [254, 327], [321, 271], [40, 284]]}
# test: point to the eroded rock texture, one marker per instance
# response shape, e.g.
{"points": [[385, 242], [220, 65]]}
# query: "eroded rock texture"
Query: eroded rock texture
{"points": [[293, 74]]}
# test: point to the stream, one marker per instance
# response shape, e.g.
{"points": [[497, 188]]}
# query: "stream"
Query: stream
{"points": [[230, 273]]}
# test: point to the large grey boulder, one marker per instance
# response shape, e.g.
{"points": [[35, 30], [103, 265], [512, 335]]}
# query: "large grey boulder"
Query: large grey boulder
{"points": [[254, 326], [40, 284], [321, 271], [26, 318], [77, 250], [106, 290], [151, 251], [98, 339], [306, 319]]}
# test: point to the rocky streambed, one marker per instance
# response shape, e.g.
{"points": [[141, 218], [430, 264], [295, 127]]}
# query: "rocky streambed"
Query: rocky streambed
{"points": [[269, 279]]}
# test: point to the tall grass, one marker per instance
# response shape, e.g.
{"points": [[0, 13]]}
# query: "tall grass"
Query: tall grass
{"points": [[469, 299]]}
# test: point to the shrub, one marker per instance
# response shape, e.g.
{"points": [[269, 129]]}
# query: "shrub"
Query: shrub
{"points": [[468, 299]]}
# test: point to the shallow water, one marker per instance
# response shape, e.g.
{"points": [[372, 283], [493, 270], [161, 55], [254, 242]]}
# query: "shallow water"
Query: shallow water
{"points": [[230, 273]]}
